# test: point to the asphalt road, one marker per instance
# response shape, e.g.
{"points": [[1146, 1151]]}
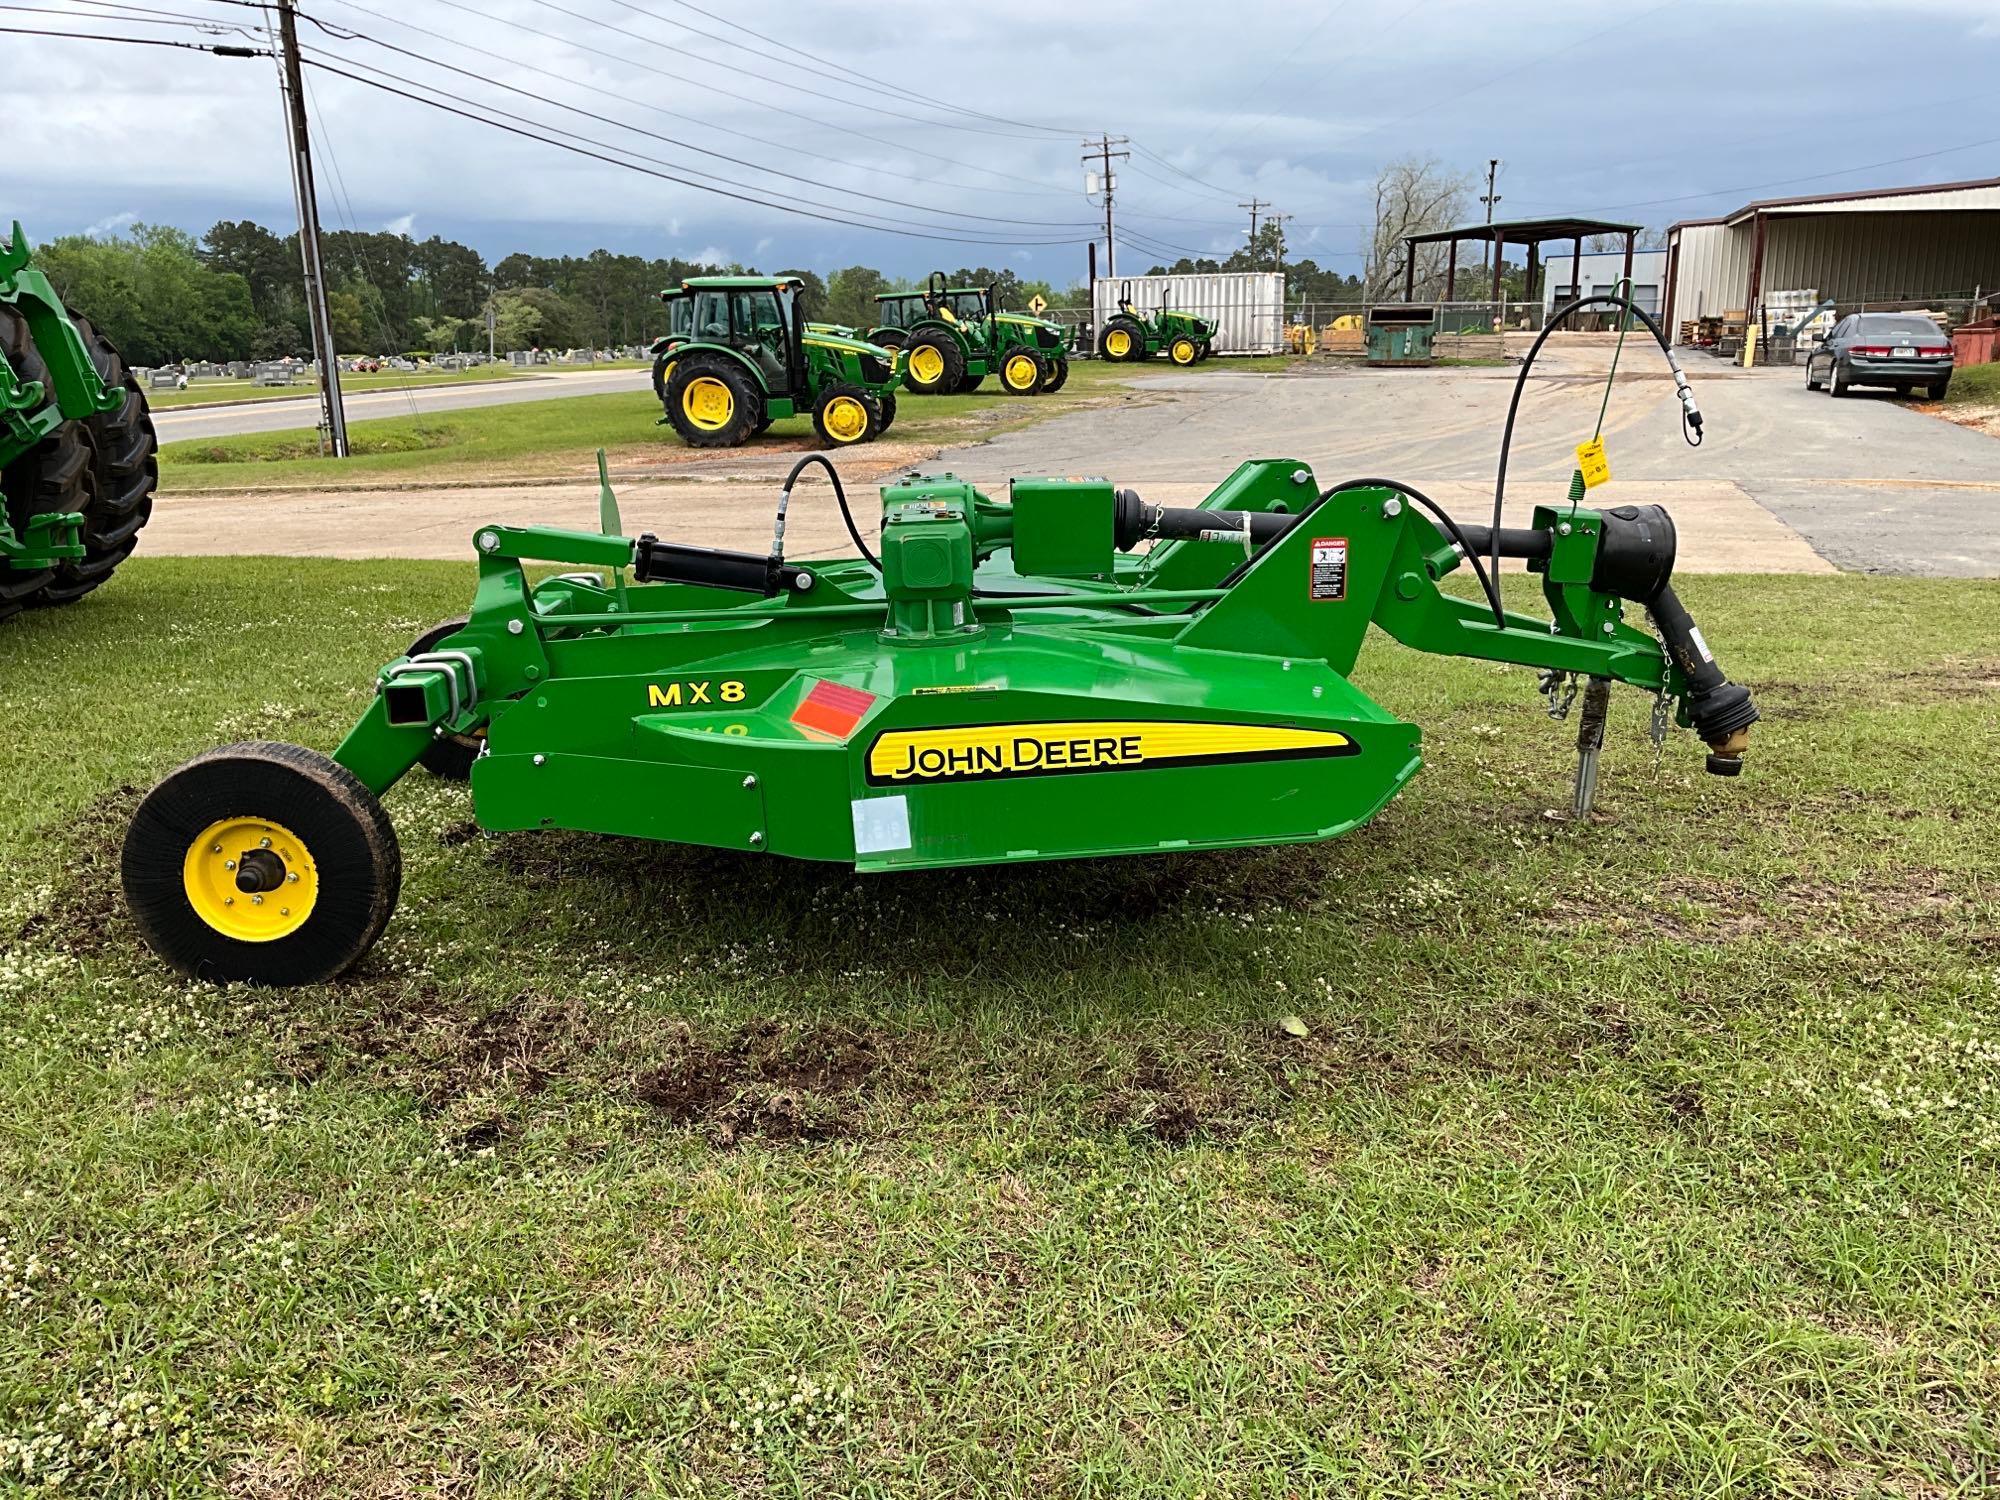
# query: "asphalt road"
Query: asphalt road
{"points": [[1870, 483], [278, 416]]}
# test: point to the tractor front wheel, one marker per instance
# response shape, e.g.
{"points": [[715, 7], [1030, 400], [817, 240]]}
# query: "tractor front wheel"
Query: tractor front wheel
{"points": [[1183, 350], [1058, 376], [886, 405], [1023, 372], [937, 364], [713, 403], [1123, 340], [845, 415], [261, 862]]}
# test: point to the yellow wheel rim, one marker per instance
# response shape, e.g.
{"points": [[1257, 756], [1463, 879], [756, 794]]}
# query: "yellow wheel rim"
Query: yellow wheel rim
{"points": [[668, 373], [708, 403], [846, 419], [1118, 342], [1020, 372], [926, 365], [1184, 351], [250, 879]]}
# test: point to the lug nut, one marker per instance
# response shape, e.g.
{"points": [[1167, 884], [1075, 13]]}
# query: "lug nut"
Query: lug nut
{"points": [[215, 848], [263, 843], [256, 900], [229, 864], [291, 877]]}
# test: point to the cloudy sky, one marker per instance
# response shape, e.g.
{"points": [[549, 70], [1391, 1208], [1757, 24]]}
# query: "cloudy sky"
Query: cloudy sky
{"points": [[965, 122]]}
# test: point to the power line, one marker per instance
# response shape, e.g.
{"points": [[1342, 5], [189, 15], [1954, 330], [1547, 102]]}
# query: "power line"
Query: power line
{"points": [[754, 166], [875, 85], [500, 57], [220, 50], [711, 87], [633, 166]]}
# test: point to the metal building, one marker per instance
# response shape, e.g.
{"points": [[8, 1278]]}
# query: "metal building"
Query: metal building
{"points": [[1601, 271], [1888, 245], [1248, 307]]}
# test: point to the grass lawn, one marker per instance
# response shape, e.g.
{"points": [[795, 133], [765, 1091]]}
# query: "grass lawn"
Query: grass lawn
{"points": [[1655, 1156], [214, 392], [561, 434], [1978, 384]]}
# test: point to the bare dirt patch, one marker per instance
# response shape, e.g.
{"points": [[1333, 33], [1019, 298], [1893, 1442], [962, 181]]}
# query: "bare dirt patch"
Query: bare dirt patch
{"points": [[774, 1080]]}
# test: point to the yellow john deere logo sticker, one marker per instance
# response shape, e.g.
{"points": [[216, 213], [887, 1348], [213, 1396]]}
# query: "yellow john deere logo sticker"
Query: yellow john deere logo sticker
{"points": [[982, 752]]}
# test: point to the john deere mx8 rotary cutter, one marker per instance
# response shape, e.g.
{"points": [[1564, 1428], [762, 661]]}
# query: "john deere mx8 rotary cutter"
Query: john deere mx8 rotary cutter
{"points": [[77, 452], [956, 336], [1130, 335], [1070, 670], [749, 359]]}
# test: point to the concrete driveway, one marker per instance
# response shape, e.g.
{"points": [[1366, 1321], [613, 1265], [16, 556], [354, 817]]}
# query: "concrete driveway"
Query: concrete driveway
{"points": [[1786, 480], [1870, 483]]}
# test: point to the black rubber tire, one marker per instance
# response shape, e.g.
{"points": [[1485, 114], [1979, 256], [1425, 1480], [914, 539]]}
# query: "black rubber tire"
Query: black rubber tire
{"points": [[358, 863], [125, 457], [449, 758], [870, 429], [746, 412], [948, 351], [1137, 350], [660, 364], [973, 380], [54, 475], [1936, 389], [1811, 384], [886, 405], [1033, 357], [1835, 386], [1058, 376], [889, 338], [1181, 344]]}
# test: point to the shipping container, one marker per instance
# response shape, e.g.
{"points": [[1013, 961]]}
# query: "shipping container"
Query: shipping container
{"points": [[1248, 307]]}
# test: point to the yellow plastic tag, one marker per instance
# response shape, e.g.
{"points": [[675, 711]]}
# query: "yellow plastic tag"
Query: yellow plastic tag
{"points": [[1590, 458]]}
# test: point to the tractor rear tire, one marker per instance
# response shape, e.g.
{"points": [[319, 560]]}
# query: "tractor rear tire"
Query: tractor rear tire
{"points": [[889, 338], [1058, 376], [886, 405], [1123, 341], [937, 364], [1023, 372], [326, 872], [54, 475], [846, 415], [713, 403], [125, 460], [449, 757]]}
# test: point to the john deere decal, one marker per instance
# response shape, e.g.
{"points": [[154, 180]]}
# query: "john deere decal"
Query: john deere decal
{"points": [[983, 752]]}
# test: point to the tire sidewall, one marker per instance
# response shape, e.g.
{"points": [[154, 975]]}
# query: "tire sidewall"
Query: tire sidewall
{"points": [[748, 401]]}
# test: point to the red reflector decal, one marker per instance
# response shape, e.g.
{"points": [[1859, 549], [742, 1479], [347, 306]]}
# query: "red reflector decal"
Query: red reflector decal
{"points": [[832, 709]]}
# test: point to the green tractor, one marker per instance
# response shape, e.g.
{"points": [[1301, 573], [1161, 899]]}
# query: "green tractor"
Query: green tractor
{"points": [[749, 359], [680, 328], [956, 337], [1130, 335], [78, 462]]}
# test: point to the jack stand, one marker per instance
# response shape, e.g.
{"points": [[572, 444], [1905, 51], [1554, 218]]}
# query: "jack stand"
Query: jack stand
{"points": [[1589, 742]]}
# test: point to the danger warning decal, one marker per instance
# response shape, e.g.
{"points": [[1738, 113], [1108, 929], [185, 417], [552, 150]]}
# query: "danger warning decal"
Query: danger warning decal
{"points": [[832, 709], [984, 752], [1329, 568]]}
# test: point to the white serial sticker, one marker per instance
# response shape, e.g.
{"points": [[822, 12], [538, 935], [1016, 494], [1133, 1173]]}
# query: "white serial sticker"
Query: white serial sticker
{"points": [[881, 825], [1694, 634]]}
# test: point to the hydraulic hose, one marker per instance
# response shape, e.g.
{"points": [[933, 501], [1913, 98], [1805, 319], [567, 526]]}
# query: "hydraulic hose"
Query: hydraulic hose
{"points": [[1690, 412], [839, 495]]}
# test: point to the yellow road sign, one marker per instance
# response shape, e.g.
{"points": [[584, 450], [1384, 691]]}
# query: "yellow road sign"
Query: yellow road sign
{"points": [[1038, 304]]}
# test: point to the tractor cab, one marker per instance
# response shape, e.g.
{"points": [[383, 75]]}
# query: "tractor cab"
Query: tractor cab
{"points": [[680, 327], [750, 359]]}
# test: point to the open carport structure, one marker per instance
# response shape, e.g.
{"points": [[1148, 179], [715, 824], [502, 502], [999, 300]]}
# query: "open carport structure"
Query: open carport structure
{"points": [[1899, 246], [1532, 233]]}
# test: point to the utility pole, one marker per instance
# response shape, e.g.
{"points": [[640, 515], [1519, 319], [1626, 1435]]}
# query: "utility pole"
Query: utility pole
{"points": [[1491, 198], [1255, 205], [1281, 220], [333, 415], [1101, 149]]}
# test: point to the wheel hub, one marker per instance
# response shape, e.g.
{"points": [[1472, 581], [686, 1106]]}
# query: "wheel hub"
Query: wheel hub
{"points": [[250, 879], [708, 403], [846, 419], [927, 365], [1020, 373]]}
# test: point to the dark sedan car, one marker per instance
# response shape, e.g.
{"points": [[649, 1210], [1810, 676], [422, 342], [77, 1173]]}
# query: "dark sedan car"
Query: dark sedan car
{"points": [[1900, 350]]}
